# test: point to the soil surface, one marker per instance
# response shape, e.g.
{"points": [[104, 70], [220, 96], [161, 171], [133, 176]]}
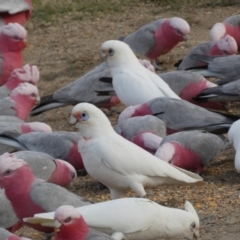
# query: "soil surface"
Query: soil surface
{"points": [[68, 46]]}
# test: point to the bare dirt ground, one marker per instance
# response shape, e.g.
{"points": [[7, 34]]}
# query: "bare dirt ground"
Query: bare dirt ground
{"points": [[68, 46]]}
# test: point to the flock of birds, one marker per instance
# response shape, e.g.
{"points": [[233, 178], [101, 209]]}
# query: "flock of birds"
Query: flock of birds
{"points": [[173, 126]]}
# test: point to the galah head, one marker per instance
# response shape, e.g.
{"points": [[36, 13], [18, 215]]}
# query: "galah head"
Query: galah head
{"points": [[35, 127], [9, 163], [180, 26], [28, 90], [27, 73], [147, 64], [69, 223], [193, 224], [228, 45], [71, 169], [12, 37], [218, 31], [117, 52], [90, 120]]}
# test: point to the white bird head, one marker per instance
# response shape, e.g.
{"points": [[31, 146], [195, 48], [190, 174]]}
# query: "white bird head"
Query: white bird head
{"points": [[9, 163], [181, 26], [90, 120], [117, 53], [193, 225], [218, 31], [228, 45]]}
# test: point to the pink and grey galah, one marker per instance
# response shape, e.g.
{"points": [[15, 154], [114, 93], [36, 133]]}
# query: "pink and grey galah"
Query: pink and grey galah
{"points": [[12, 42], [69, 224], [59, 145], [46, 167], [180, 115], [222, 47], [224, 68], [229, 92], [21, 128], [5, 235], [15, 11], [159, 37], [28, 73], [187, 85], [230, 26], [31, 195], [190, 150], [20, 102], [146, 131]]}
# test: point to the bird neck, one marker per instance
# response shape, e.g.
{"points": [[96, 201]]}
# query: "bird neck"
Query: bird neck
{"points": [[61, 176], [215, 51], [12, 82], [78, 230], [74, 157], [8, 45], [23, 105]]}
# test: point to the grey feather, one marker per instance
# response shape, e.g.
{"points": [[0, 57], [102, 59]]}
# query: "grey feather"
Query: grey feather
{"points": [[7, 107], [96, 235], [206, 145], [143, 40], [132, 126], [233, 20], [224, 93], [10, 119], [201, 49], [41, 164], [178, 80], [56, 196], [225, 68], [182, 115], [8, 217]]}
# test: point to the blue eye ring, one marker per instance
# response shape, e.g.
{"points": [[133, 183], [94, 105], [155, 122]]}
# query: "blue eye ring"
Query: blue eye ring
{"points": [[84, 116]]}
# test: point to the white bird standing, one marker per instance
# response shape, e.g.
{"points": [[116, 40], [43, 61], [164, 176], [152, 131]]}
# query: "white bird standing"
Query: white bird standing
{"points": [[135, 219], [133, 83], [118, 163]]}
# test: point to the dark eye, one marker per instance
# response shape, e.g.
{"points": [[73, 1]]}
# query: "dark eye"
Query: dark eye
{"points": [[84, 116], [179, 32], [68, 219], [7, 172], [111, 52], [33, 95], [225, 52], [15, 37], [192, 227]]}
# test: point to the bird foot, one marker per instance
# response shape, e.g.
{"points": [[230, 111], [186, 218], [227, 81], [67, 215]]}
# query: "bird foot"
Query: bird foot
{"points": [[162, 69]]}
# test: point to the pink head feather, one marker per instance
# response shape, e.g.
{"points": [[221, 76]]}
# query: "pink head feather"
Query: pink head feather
{"points": [[35, 127], [70, 167], [127, 112], [180, 24], [9, 162], [228, 44], [25, 89], [14, 30], [147, 64]]}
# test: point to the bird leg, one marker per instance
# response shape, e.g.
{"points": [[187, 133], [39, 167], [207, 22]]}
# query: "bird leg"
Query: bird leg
{"points": [[138, 189], [115, 193]]}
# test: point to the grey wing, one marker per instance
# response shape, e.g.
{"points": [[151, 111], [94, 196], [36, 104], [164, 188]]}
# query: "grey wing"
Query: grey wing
{"points": [[228, 67], [4, 234], [84, 89], [182, 115], [8, 217], [41, 164], [200, 49], [96, 235], [206, 145], [132, 126], [13, 6], [50, 196], [10, 126], [233, 20], [4, 92], [178, 80], [56, 144], [143, 40], [7, 107], [10, 119]]}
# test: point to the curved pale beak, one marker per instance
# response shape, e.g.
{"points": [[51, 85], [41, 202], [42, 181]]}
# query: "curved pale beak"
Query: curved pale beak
{"points": [[185, 37], [57, 226], [38, 100], [72, 120], [196, 234], [104, 54]]}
